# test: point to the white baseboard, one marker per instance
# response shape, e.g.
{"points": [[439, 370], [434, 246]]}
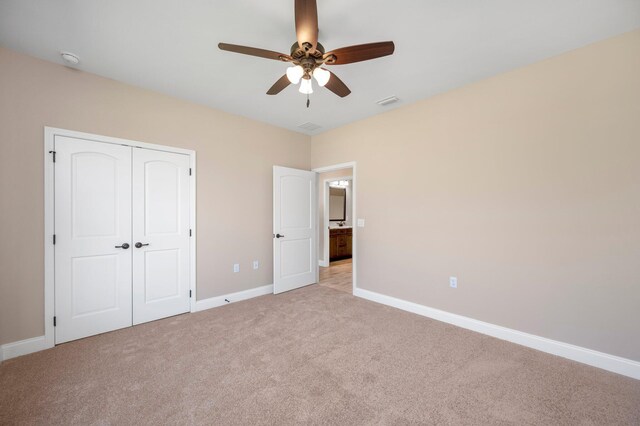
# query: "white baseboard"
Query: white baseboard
{"points": [[214, 302], [323, 263], [602, 360], [35, 344], [597, 359], [23, 347]]}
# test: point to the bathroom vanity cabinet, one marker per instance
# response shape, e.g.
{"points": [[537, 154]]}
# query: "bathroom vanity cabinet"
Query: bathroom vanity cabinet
{"points": [[340, 243]]}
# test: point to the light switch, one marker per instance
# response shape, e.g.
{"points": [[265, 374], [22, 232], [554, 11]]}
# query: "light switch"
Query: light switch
{"points": [[360, 223], [236, 267]]}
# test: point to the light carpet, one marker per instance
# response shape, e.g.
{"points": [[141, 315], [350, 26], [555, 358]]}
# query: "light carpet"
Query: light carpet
{"points": [[310, 356]]}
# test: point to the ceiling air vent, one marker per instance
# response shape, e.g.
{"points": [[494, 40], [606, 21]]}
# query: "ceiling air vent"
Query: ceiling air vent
{"points": [[387, 101], [309, 127]]}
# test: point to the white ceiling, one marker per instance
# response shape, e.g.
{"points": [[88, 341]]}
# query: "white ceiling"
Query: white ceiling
{"points": [[171, 46]]}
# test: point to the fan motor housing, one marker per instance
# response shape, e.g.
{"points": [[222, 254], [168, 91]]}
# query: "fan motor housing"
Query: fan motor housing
{"points": [[298, 52], [307, 60]]}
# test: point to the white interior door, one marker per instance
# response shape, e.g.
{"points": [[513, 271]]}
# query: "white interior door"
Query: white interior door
{"points": [[93, 234], [295, 261], [160, 234]]}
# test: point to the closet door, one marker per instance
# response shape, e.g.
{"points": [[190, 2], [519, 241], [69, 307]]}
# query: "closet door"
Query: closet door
{"points": [[160, 234], [93, 238]]}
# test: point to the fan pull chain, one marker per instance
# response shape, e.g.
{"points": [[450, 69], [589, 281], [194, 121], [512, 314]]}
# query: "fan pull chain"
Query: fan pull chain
{"points": [[308, 101]]}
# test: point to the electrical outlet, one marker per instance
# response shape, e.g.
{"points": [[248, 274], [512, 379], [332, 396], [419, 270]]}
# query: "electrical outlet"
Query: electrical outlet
{"points": [[453, 282], [256, 264], [236, 267]]}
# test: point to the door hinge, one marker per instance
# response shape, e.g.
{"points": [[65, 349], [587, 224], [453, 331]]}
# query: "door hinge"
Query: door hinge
{"points": [[189, 171], [189, 294], [54, 155], [54, 239], [190, 232], [54, 321]]}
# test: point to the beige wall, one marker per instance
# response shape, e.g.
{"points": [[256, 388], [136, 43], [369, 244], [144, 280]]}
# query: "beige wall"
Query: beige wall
{"points": [[322, 177], [235, 159], [525, 186]]}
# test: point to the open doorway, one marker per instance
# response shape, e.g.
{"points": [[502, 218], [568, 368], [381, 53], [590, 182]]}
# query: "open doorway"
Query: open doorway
{"points": [[336, 219]]}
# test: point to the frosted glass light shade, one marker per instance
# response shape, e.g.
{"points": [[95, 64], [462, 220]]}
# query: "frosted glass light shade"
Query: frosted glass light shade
{"points": [[322, 76], [295, 73], [306, 86]]}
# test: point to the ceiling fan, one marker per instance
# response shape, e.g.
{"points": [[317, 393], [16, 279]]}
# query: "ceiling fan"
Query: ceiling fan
{"points": [[308, 56]]}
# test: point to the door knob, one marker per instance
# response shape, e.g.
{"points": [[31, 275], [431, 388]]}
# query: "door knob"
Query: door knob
{"points": [[123, 246], [139, 244], [279, 236]]}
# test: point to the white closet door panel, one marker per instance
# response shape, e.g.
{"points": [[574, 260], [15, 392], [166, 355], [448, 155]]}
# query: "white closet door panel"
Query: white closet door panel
{"points": [[92, 217], [161, 224], [161, 269]]}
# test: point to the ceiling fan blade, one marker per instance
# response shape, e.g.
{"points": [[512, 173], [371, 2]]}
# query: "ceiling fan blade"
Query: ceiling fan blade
{"points": [[337, 86], [360, 52], [307, 23], [279, 85], [253, 51]]}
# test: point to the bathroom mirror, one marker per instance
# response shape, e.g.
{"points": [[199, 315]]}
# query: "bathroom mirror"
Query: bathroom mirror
{"points": [[337, 204]]}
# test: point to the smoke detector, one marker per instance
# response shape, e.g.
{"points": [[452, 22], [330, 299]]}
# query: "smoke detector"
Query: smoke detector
{"points": [[70, 58], [387, 101]]}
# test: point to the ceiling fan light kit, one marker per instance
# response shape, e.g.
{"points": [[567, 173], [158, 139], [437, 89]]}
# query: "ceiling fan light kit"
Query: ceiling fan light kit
{"points": [[305, 86], [308, 56], [322, 76], [294, 74]]}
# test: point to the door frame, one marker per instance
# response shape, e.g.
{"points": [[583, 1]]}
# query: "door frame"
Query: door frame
{"points": [[354, 220], [49, 229], [325, 207]]}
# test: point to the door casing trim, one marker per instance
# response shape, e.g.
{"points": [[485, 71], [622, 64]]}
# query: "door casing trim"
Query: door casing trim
{"points": [[49, 229], [354, 220]]}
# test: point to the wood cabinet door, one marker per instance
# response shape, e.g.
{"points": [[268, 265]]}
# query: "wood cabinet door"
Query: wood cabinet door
{"points": [[333, 247], [342, 245]]}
